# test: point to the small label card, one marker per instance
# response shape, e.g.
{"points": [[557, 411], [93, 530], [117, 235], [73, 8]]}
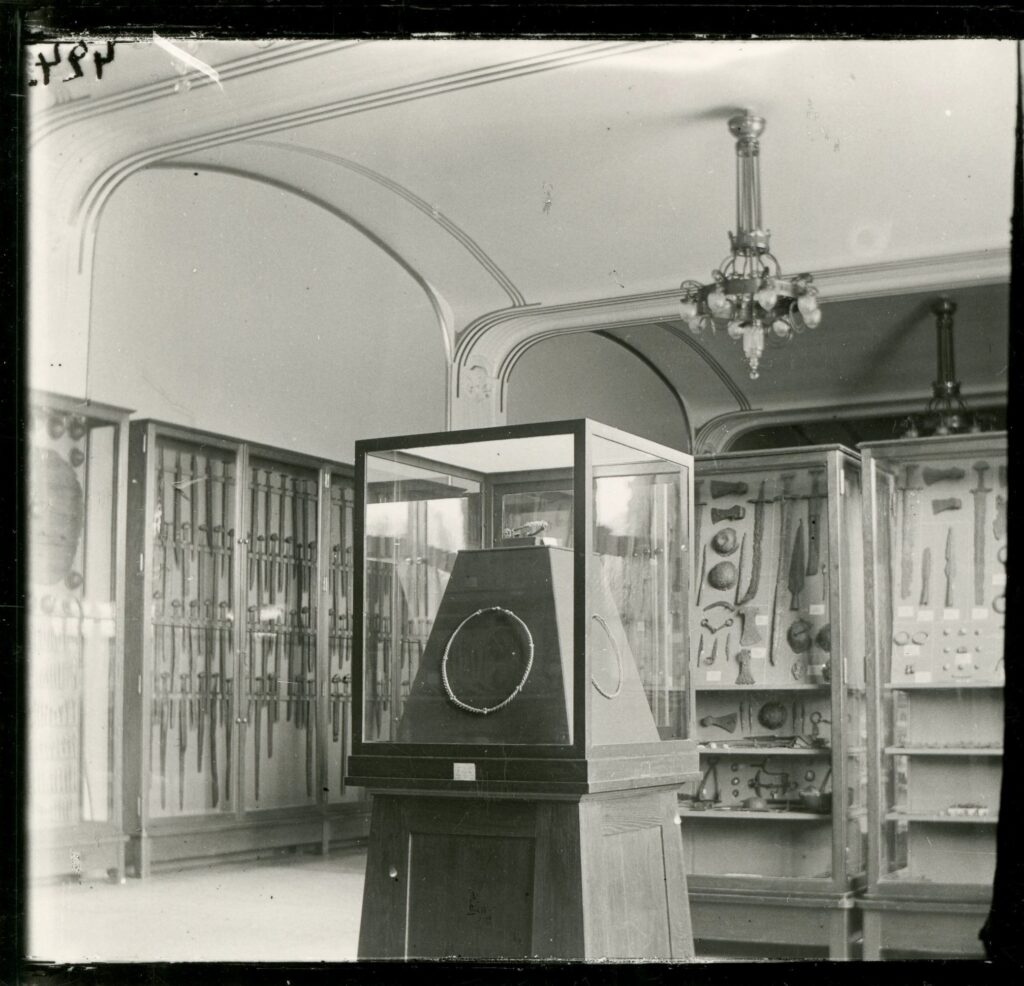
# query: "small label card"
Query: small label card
{"points": [[999, 578], [714, 676], [925, 616], [905, 612], [951, 614], [817, 609], [463, 771], [963, 660], [979, 613], [759, 653], [911, 650], [923, 677], [761, 620]]}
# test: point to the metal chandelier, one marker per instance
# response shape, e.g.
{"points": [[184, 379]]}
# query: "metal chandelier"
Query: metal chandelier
{"points": [[749, 294]]}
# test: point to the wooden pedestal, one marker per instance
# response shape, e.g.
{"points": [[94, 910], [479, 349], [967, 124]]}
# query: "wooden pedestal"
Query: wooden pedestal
{"points": [[933, 928], [590, 876], [777, 920]]}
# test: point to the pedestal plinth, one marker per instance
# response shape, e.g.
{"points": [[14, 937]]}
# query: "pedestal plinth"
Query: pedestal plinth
{"points": [[584, 877]]}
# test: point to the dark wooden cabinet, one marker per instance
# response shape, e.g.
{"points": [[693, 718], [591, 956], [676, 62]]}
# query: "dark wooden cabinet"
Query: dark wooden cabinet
{"points": [[237, 712], [75, 636], [936, 542]]}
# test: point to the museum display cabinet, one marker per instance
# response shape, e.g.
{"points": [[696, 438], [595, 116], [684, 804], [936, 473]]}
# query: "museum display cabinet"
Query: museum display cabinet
{"points": [[775, 829], [238, 660], [936, 544], [522, 710], [76, 466]]}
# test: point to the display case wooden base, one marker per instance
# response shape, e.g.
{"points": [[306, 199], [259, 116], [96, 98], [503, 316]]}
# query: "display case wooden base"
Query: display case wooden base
{"points": [[178, 843], [586, 877], [929, 928], [722, 919], [84, 850]]}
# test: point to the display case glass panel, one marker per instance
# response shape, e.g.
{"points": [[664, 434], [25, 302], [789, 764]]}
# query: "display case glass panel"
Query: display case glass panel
{"points": [[73, 626], [640, 539], [425, 526], [340, 522], [854, 696], [939, 554]]}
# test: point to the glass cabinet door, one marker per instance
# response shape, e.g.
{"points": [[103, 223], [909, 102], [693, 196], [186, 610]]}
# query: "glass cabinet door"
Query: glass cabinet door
{"points": [[72, 626], [768, 665], [279, 678], [939, 591], [191, 615]]}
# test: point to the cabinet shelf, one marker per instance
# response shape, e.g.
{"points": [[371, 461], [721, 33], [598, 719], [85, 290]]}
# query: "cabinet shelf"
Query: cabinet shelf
{"points": [[778, 814], [770, 687], [774, 751], [942, 686], [935, 817], [944, 751]]}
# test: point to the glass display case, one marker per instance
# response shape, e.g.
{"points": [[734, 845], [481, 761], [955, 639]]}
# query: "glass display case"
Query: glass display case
{"points": [[74, 604], [523, 589], [937, 546], [239, 620], [776, 828], [522, 692]]}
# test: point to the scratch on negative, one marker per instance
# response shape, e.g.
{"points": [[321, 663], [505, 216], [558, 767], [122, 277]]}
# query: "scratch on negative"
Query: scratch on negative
{"points": [[190, 60]]}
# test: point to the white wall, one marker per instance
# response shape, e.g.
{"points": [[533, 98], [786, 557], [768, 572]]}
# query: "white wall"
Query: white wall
{"points": [[586, 375], [227, 305]]}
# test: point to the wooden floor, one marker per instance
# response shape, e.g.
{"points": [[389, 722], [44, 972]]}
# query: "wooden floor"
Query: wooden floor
{"points": [[294, 908], [301, 908]]}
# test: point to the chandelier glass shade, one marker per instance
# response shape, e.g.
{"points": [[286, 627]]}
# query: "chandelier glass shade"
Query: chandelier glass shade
{"points": [[749, 294]]}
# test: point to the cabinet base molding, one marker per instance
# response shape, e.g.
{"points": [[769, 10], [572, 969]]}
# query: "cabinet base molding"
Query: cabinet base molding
{"points": [[827, 921], [78, 851], [212, 841], [935, 928], [587, 877]]}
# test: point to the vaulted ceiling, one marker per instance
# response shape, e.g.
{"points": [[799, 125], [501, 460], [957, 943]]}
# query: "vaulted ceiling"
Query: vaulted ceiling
{"points": [[569, 176]]}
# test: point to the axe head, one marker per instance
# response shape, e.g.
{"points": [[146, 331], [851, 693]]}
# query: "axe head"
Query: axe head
{"points": [[750, 635], [721, 487]]}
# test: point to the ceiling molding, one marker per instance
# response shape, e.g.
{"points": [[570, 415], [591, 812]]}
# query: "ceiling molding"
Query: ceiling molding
{"points": [[53, 118], [718, 434], [237, 172], [105, 182], [455, 231], [942, 273], [516, 326]]}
